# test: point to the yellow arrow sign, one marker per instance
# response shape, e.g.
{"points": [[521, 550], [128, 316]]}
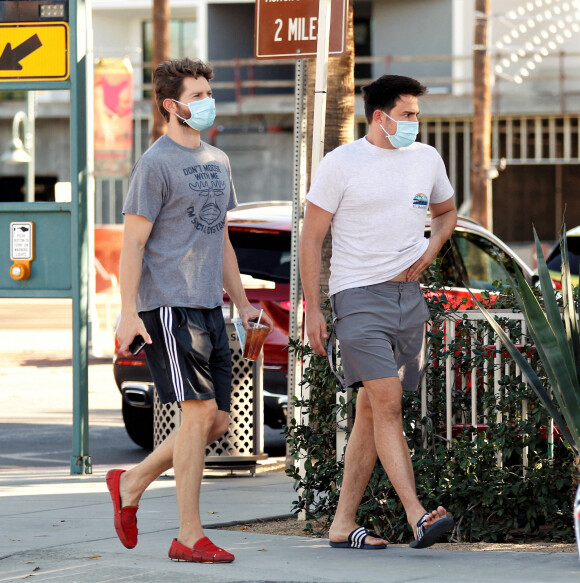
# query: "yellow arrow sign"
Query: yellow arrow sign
{"points": [[34, 51]]}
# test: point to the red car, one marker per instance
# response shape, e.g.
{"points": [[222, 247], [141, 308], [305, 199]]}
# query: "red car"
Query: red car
{"points": [[261, 234]]}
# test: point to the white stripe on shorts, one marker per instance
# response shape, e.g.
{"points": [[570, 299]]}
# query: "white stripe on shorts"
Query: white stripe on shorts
{"points": [[166, 315]]}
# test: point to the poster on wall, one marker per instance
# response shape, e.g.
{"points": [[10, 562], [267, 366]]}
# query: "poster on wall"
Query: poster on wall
{"points": [[113, 117]]}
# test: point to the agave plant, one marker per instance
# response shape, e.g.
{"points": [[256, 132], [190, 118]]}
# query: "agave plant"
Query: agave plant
{"points": [[557, 339]]}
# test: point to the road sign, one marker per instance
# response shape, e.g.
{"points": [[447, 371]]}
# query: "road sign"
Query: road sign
{"points": [[289, 28], [34, 51]]}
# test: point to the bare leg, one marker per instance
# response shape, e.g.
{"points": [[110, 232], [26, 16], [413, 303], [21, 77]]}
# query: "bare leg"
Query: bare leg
{"points": [[385, 398], [135, 481], [359, 462], [197, 420]]}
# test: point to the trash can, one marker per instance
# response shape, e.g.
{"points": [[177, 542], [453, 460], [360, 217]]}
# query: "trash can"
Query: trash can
{"points": [[243, 444]]}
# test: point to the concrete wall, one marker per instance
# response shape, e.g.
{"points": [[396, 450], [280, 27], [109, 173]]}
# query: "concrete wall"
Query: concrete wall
{"points": [[118, 35], [231, 35], [262, 163], [422, 27]]}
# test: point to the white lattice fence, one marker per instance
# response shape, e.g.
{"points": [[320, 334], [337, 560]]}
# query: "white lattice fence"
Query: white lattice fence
{"points": [[488, 376]]}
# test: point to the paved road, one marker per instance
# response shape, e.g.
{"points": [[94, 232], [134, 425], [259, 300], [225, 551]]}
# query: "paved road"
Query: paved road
{"points": [[36, 389], [57, 527]]}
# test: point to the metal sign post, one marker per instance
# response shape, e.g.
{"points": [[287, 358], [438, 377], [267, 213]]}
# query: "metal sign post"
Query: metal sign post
{"points": [[294, 30], [48, 46], [321, 81], [298, 196]]}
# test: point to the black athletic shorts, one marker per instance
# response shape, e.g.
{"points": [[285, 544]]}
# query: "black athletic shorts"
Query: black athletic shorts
{"points": [[190, 355]]}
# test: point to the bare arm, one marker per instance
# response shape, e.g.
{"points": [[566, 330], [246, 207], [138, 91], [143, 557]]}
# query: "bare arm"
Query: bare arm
{"points": [[316, 224], [443, 221], [233, 286], [135, 234]]}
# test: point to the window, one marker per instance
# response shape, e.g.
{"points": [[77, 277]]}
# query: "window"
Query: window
{"points": [[362, 48], [263, 255], [482, 259], [555, 258], [182, 43], [451, 271]]}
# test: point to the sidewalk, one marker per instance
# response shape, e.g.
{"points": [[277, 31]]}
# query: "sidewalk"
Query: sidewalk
{"points": [[59, 528]]}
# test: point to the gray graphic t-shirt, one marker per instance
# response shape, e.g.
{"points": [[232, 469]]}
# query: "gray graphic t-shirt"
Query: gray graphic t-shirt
{"points": [[185, 193]]}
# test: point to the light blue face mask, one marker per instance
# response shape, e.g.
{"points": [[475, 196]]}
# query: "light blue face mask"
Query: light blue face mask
{"points": [[405, 135], [202, 113]]}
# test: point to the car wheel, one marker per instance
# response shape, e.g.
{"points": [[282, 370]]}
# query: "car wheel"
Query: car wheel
{"points": [[139, 424]]}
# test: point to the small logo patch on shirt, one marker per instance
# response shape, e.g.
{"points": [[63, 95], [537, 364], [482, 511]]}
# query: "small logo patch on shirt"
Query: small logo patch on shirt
{"points": [[420, 201]]}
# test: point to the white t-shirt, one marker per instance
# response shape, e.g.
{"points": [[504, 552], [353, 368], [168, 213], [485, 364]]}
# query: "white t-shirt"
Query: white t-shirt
{"points": [[379, 199]]}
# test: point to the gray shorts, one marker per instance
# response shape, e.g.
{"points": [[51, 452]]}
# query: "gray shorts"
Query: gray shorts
{"points": [[381, 330]]}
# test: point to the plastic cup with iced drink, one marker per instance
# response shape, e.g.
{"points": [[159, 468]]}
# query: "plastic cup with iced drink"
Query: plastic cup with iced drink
{"points": [[255, 337]]}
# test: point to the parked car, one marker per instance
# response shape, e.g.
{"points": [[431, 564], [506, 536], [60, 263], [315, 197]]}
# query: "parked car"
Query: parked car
{"points": [[261, 234], [554, 258]]}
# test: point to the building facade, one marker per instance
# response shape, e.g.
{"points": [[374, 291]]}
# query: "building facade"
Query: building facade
{"points": [[534, 47]]}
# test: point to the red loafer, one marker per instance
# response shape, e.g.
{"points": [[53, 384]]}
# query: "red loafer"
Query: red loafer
{"points": [[203, 551], [125, 518]]}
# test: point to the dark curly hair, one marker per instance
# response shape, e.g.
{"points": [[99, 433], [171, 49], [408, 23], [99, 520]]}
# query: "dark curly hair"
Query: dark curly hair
{"points": [[168, 79]]}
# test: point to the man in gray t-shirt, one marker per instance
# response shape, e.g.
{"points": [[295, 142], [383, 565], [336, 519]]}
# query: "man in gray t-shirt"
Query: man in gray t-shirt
{"points": [[176, 261], [185, 193]]}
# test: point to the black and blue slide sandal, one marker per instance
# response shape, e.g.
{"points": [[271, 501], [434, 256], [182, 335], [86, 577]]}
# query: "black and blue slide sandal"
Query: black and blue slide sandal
{"points": [[356, 540], [427, 536]]}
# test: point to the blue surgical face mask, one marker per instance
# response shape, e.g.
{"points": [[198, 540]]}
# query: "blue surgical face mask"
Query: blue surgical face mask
{"points": [[202, 113], [405, 135]]}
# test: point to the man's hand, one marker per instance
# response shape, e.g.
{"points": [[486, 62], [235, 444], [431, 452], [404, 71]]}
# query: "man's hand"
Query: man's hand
{"points": [[316, 224], [317, 331], [443, 221], [250, 313], [129, 327], [422, 263]]}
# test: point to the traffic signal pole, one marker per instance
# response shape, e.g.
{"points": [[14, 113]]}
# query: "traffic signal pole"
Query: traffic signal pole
{"points": [[82, 179], [49, 47]]}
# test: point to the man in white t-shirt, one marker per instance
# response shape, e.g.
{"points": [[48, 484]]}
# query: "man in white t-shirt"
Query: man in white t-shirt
{"points": [[374, 193]]}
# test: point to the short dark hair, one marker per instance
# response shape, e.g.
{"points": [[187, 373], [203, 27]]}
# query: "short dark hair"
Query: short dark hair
{"points": [[383, 93], [168, 79]]}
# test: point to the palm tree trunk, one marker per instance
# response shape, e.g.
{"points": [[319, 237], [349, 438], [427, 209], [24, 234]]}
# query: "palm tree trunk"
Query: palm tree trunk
{"points": [[161, 17]]}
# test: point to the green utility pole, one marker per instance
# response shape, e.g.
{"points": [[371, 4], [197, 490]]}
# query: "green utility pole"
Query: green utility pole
{"points": [[45, 47], [81, 132]]}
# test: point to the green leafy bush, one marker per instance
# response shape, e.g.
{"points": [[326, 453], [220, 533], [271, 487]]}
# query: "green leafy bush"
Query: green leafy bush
{"points": [[490, 501]]}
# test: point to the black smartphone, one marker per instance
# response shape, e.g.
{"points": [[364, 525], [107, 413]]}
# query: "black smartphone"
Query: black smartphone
{"points": [[137, 345]]}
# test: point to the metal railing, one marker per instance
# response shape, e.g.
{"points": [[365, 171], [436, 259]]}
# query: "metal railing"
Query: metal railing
{"points": [[557, 76]]}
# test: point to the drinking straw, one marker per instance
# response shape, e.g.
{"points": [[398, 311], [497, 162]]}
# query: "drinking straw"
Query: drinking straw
{"points": [[260, 316]]}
